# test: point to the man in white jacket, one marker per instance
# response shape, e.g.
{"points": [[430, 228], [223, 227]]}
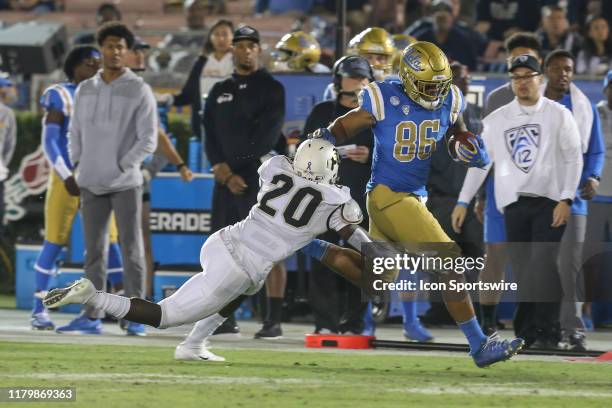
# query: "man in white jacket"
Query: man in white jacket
{"points": [[536, 148], [113, 128]]}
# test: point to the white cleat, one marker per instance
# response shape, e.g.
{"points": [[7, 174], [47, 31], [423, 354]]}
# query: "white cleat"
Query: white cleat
{"points": [[186, 353], [79, 292]]}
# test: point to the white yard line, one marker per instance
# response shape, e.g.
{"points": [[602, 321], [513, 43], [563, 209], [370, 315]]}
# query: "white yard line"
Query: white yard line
{"points": [[507, 389]]}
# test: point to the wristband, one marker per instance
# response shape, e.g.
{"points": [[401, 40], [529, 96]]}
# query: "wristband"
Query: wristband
{"points": [[463, 204], [180, 165]]}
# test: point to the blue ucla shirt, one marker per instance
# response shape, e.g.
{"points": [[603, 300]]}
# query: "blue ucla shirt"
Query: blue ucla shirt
{"points": [[58, 97], [405, 134]]}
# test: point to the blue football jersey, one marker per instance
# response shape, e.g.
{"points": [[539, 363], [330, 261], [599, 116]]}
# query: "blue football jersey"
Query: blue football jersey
{"points": [[405, 134], [59, 97]]}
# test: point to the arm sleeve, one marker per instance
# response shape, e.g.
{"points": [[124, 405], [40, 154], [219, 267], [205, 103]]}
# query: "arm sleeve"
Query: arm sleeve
{"points": [[9, 144], [74, 132], [157, 163], [269, 125], [571, 151], [146, 132], [316, 249], [211, 144], [595, 155], [189, 91]]}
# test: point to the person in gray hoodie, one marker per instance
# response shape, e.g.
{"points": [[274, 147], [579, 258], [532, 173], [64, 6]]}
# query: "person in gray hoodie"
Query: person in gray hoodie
{"points": [[113, 128]]}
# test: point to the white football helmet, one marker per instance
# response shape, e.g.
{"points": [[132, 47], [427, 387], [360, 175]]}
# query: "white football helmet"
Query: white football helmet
{"points": [[317, 160]]}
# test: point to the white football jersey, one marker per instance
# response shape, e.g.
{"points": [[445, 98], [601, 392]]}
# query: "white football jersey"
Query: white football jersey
{"points": [[290, 212]]}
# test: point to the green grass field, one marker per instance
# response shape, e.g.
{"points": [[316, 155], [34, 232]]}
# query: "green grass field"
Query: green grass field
{"points": [[118, 376]]}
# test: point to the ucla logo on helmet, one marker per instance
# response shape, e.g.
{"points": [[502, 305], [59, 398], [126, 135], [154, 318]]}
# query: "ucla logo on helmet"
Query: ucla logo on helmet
{"points": [[413, 59]]}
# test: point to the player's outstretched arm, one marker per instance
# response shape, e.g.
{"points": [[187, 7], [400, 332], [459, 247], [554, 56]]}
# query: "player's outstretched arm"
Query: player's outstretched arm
{"points": [[346, 126]]}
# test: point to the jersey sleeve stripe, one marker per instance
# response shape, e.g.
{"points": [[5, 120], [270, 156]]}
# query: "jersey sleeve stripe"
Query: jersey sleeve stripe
{"points": [[376, 96], [66, 98], [456, 105]]}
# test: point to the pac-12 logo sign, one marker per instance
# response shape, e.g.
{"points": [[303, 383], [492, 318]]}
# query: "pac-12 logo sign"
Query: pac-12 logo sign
{"points": [[523, 143]]}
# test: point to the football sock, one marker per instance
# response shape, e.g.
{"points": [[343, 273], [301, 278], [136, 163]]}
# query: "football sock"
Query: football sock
{"points": [[489, 314], [275, 310], [115, 265], [117, 306], [409, 309], [473, 333], [45, 269], [203, 329]]}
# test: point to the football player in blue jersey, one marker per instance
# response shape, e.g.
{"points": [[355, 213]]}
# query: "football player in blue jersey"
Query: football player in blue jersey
{"points": [[409, 118], [62, 198]]}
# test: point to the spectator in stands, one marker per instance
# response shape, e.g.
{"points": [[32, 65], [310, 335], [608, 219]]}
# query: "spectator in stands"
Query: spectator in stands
{"points": [[598, 237], [443, 187], [350, 75], [454, 41], [113, 128], [8, 136], [415, 10], [595, 57], [559, 71], [106, 12], [555, 32], [426, 23], [243, 118], [214, 64], [499, 19], [185, 45]]}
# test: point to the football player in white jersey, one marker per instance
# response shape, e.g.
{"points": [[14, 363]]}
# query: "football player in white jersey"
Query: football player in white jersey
{"points": [[297, 201]]}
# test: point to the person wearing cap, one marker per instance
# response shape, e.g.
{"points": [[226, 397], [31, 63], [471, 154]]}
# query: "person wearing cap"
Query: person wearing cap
{"points": [[243, 118], [559, 71], [535, 146], [8, 136], [599, 222], [350, 75]]}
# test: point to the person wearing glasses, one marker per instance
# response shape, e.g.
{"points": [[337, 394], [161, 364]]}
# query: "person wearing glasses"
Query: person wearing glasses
{"points": [[535, 146]]}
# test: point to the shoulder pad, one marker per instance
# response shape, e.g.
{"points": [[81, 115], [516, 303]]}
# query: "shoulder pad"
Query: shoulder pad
{"points": [[351, 212]]}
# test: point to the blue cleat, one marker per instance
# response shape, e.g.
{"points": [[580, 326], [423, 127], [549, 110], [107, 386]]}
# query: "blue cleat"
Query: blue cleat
{"points": [[41, 321], [417, 332], [82, 325], [494, 350], [136, 329], [369, 327]]}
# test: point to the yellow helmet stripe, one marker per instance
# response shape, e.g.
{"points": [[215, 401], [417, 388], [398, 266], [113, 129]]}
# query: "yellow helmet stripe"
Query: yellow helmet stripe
{"points": [[376, 97]]}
